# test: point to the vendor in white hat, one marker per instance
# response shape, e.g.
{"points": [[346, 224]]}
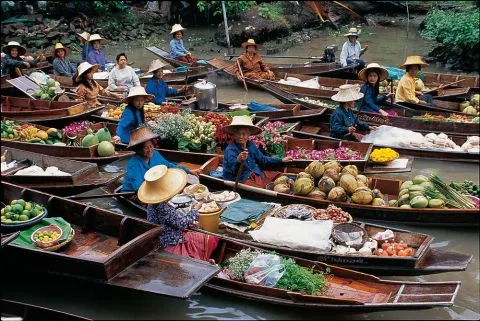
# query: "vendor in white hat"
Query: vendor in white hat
{"points": [[162, 184], [86, 48], [13, 63], [122, 77], [252, 63], [352, 50], [62, 65], [88, 89], [177, 49], [372, 75], [97, 56], [156, 86], [343, 121], [406, 86], [243, 150]]}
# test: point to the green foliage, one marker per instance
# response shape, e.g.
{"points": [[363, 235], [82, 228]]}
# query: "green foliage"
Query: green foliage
{"points": [[272, 11], [100, 7], [299, 279], [232, 7], [453, 28]]}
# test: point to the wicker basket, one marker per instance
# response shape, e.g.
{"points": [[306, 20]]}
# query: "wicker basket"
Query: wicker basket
{"points": [[348, 228], [60, 245], [281, 209], [51, 227]]}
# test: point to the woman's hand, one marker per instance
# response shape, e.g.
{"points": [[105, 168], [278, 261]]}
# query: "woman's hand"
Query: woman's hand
{"points": [[239, 77], [372, 127], [418, 93], [287, 159], [390, 95], [115, 140], [183, 89], [242, 156], [351, 129], [196, 172], [365, 48], [383, 112], [423, 102]]}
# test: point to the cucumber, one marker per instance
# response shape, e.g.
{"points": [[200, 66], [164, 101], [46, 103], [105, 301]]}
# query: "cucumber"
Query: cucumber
{"points": [[48, 142], [35, 140]]}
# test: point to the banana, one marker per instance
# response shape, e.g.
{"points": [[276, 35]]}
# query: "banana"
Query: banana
{"points": [[4, 156]]}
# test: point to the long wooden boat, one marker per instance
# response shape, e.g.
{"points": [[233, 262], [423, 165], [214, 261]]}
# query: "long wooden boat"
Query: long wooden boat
{"points": [[107, 248], [15, 310], [9, 238], [84, 176]]}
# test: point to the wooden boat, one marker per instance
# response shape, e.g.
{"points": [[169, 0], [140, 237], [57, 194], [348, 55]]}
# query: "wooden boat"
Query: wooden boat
{"points": [[9, 238], [346, 290], [84, 176], [434, 79], [106, 248], [14, 310]]}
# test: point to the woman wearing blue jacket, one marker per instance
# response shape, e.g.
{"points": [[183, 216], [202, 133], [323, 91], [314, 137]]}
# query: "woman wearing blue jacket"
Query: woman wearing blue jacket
{"points": [[373, 74]]}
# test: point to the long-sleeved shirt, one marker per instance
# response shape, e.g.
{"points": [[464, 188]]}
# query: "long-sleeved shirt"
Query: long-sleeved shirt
{"points": [[123, 77], [131, 119], [63, 67], [250, 65], [9, 64], [86, 50], [341, 119], [253, 163], [177, 49], [173, 222], [350, 52], [91, 95], [406, 90], [97, 57], [137, 167], [370, 100], [160, 89]]}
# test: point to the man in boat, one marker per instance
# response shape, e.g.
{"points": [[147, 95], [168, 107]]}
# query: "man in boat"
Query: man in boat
{"points": [[352, 50], [62, 65], [97, 55], [242, 150], [14, 62], [343, 122], [406, 92], [177, 49], [252, 63], [156, 86]]}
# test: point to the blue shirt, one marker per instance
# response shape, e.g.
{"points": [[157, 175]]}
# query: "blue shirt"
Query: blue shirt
{"points": [[251, 164], [99, 58], [63, 67], [160, 89], [370, 101], [131, 119], [177, 49], [137, 167], [86, 49], [341, 119]]}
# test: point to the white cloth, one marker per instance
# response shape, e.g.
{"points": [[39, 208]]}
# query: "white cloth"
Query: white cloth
{"points": [[123, 77], [350, 51], [301, 235]]}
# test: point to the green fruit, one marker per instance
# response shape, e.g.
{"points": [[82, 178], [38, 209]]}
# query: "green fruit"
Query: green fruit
{"points": [[105, 149], [403, 191], [17, 208], [103, 135], [406, 185], [435, 203], [419, 202], [419, 179], [48, 142], [45, 97], [416, 188], [8, 215], [8, 208], [50, 82], [405, 206], [23, 218], [415, 194], [15, 217], [38, 93], [51, 90], [89, 140], [21, 202], [3, 211]]}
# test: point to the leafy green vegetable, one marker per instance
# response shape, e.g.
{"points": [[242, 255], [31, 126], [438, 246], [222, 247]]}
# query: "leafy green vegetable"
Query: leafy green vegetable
{"points": [[299, 279]]}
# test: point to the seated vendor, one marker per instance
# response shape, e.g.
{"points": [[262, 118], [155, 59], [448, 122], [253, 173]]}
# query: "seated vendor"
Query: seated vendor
{"points": [[14, 62], [343, 121], [406, 86], [96, 55], [241, 150], [352, 50], [252, 63], [372, 75], [122, 77], [145, 157], [177, 49], [156, 86], [62, 65]]}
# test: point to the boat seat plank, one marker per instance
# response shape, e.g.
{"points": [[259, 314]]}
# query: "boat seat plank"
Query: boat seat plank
{"points": [[189, 165], [436, 259], [91, 245]]}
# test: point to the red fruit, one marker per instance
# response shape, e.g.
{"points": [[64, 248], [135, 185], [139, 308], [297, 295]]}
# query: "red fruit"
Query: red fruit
{"points": [[391, 250], [401, 253], [385, 246]]}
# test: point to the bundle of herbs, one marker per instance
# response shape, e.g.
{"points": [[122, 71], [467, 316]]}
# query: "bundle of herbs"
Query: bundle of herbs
{"points": [[452, 197], [300, 279]]}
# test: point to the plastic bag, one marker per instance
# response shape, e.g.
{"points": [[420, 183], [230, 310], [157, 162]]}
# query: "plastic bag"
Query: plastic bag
{"points": [[266, 270]]}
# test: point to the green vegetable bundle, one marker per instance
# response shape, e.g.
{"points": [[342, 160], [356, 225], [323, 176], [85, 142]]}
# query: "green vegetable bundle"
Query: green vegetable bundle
{"points": [[299, 279], [467, 187]]}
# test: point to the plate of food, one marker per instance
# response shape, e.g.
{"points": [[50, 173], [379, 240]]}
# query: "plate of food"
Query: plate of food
{"points": [[223, 196], [20, 214], [295, 211]]}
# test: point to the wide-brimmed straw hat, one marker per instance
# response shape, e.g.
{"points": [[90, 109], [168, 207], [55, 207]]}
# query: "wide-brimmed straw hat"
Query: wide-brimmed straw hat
{"points": [[382, 72], [414, 60], [85, 66], [161, 184], [21, 49], [242, 122], [155, 65], [137, 91], [84, 35], [352, 32], [58, 46], [177, 27], [141, 135], [348, 93], [251, 42], [95, 37]]}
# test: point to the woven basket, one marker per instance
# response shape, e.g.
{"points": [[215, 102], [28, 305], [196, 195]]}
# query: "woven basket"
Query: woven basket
{"points": [[348, 228], [60, 245], [278, 211]]}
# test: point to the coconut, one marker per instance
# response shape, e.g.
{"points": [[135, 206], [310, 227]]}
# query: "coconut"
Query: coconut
{"points": [[305, 175], [333, 174], [335, 165], [362, 195], [337, 194], [348, 183], [464, 105], [350, 169], [475, 100], [315, 169], [282, 188], [362, 178], [378, 202], [419, 179], [325, 184], [406, 185], [281, 180], [361, 183], [393, 203], [419, 202], [377, 193], [105, 149], [302, 186], [317, 194]]}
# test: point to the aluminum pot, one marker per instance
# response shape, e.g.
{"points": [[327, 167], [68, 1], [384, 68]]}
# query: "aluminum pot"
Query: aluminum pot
{"points": [[206, 93]]}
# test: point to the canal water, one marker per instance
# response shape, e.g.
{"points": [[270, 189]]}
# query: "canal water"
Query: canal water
{"points": [[388, 46]]}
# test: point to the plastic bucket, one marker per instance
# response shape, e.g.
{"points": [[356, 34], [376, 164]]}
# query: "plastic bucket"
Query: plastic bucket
{"points": [[209, 221]]}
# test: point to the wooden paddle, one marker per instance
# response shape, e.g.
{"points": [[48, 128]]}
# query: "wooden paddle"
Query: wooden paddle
{"points": [[443, 86], [239, 173], [243, 78], [81, 197], [9, 238]]}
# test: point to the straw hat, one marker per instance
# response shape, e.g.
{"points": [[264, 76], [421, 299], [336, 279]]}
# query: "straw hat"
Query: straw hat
{"points": [[414, 60], [348, 93], [155, 65], [251, 42], [382, 72], [177, 27], [241, 122], [96, 36], [161, 184], [21, 49], [352, 32], [85, 66], [141, 135], [137, 91], [84, 35], [58, 45]]}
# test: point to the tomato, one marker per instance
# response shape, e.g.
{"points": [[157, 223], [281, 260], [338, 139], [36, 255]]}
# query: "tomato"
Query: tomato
{"points": [[408, 251], [402, 253], [385, 246], [390, 250]]}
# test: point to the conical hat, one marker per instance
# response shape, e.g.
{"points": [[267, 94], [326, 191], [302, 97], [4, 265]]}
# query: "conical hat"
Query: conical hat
{"points": [[177, 27], [84, 35], [414, 60], [242, 122], [96, 36], [156, 64], [137, 91], [84, 66], [141, 135], [352, 32], [251, 42], [382, 72], [348, 93], [21, 49], [161, 184], [58, 45]]}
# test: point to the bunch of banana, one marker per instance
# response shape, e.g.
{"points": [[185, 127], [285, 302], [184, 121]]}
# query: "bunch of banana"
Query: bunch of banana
{"points": [[28, 133]]}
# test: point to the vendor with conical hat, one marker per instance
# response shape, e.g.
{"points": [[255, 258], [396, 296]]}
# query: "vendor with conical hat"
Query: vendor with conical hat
{"points": [[252, 63], [372, 75], [242, 150], [156, 86], [62, 65], [406, 92], [97, 55], [14, 62], [177, 49], [86, 48], [352, 50], [343, 122]]}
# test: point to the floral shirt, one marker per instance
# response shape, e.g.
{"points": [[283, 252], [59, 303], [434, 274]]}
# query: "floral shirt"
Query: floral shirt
{"points": [[174, 222]]}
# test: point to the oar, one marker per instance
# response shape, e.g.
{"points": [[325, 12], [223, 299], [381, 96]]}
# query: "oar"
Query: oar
{"points": [[10, 238], [238, 175], [81, 197], [243, 78], [281, 57], [443, 86]]}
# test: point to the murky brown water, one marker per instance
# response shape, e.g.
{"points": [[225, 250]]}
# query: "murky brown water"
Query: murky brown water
{"points": [[387, 46]]}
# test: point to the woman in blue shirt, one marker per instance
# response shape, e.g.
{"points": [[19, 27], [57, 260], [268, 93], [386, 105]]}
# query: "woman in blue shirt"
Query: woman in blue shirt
{"points": [[145, 158], [156, 86], [97, 55], [343, 121], [243, 150], [177, 49], [373, 74], [61, 65]]}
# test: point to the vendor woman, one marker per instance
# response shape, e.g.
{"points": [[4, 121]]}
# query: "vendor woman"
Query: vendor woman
{"points": [[372, 75], [156, 86], [343, 121], [146, 157], [406, 86], [252, 63], [96, 55], [177, 49], [161, 184], [62, 65], [241, 150], [14, 62]]}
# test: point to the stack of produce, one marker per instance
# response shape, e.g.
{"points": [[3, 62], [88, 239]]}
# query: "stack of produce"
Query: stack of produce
{"points": [[9, 129], [471, 106], [394, 249], [219, 120], [319, 102], [101, 138], [341, 153], [466, 187], [334, 213], [19, 211], [271, 141], [114, 113], [199, 134], [49, 90], [472, 145], [385, 86], [30, 134], [383, 155], [75, 128], [452, 118], [152, 111], [450, 196]]}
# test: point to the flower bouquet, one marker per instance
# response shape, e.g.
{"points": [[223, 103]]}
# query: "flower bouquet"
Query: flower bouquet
{"points": [[271, 142]]}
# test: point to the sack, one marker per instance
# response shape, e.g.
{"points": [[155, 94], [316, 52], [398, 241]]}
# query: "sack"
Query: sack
{"points": [[266, 270]]}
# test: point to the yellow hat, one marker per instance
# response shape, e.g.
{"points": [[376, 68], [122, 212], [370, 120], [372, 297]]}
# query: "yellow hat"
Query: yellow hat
{"points": [[414, 60], [85, 66], [242, 122], [251, 42], [137, 91], [382, 72], [177, 27], [155, 65], [348, 93], [21, 49], [58, 45], [161, 184]]}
